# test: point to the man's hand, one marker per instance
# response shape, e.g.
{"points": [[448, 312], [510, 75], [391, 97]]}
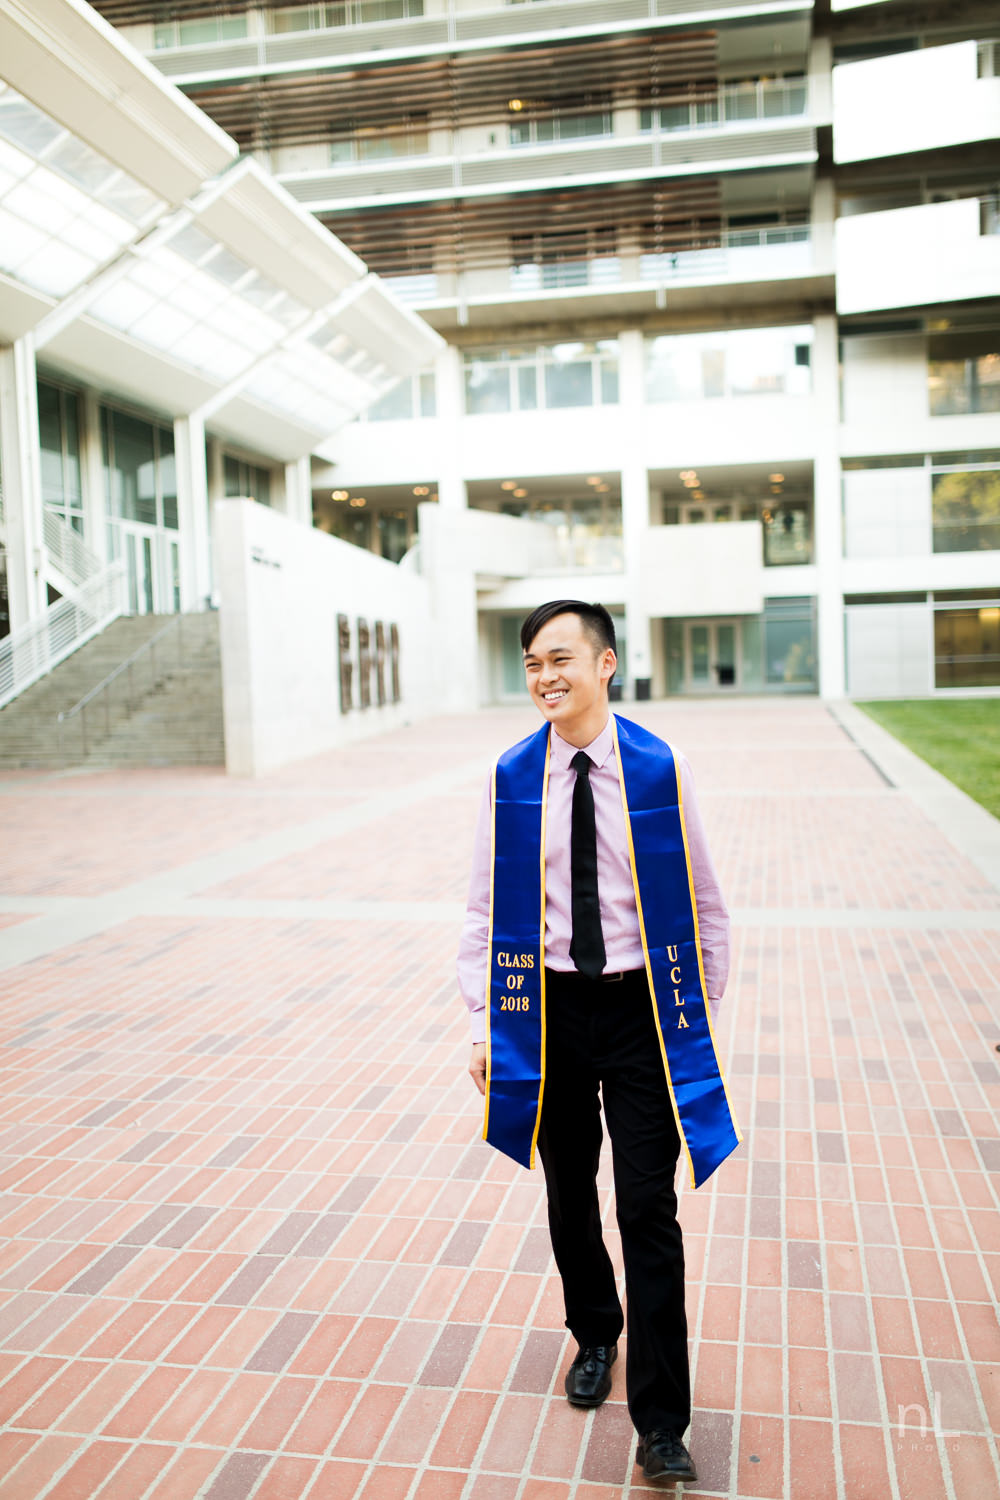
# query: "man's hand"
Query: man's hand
{"points": [[477, 1066]]}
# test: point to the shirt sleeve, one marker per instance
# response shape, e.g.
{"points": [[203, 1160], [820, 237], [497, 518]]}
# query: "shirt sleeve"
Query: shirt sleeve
{"points": [[473, 954], [713, 915]]}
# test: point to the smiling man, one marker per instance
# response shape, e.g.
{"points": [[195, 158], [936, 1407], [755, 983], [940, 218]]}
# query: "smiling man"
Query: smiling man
{"points": [[594, 951]]}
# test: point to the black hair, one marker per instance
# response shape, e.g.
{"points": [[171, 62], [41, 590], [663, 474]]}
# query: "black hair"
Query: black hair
{"points": [[594, 618]]}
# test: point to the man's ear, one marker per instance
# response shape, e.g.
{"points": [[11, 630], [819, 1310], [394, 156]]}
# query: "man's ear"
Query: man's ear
{"points": [[609, 665]]}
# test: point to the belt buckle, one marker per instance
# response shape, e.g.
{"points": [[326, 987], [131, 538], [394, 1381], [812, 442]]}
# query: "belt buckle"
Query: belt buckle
{"points": [[615, 978]]}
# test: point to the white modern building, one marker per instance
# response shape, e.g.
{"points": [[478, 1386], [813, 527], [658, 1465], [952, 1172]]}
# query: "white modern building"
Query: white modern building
{"points": [[174, 329], [719, 285]]}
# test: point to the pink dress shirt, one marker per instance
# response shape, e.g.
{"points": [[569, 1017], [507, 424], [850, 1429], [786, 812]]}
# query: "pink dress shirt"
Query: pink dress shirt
{"points": [[619, 918]]}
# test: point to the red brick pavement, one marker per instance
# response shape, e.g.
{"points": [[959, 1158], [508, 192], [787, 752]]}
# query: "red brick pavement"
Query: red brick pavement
{"points": [[252, 1245]]}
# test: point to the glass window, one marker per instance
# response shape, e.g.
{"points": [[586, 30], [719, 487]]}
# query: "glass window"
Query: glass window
{"points": [[549, 375], [59, 438], [246, 480], [963, 372], [569, 381], [590, 118], [140, 473], [394, 534], [790, 642], [787, 534], [487, 386], [131, 468], [965, 508], [967, 647], [195, 33], [739, 362]]}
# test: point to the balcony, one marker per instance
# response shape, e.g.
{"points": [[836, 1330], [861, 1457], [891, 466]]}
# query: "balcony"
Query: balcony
{"points": [[456, 31], [913, 257], [782, 257], [735, 146], [916, 101]]}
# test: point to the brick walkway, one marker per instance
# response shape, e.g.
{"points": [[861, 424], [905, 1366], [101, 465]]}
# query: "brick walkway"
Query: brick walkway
{"points": [[253, 1246]]}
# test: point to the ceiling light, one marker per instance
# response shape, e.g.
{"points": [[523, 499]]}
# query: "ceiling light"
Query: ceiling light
{"points": [[687, 474], [421, 489], [508, 484], [593, 478], [776, 478], [516, 105], [338, 494], [358, 500], [520, 494], [776, 489], [601, 489]]}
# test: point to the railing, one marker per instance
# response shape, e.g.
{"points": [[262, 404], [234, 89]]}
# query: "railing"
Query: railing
{"points": [[732, 104], [652, 153], [73, 559], [35, 648], [989, 215], [751, 253], [460, 28], [130, 672]]}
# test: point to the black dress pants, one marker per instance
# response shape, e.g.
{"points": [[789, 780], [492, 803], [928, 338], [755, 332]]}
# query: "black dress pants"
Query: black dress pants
{"points": [[600, 1035]]}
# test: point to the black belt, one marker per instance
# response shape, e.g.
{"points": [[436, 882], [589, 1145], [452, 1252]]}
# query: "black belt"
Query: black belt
{"points": [[615, 976]]}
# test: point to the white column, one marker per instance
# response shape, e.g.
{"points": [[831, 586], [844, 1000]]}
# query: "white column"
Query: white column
{"points": [[95, 505], [635, 502], [450, 405], [827, 511], [298, 491], [192, 512], [22, 481]]}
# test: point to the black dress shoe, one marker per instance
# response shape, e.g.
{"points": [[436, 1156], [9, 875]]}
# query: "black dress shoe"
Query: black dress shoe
{"points": [[588, 1379], [664, 1458]]}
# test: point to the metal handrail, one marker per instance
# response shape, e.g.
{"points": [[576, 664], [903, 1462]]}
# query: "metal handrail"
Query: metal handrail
{"points": [[32, 649], [103, 687]]}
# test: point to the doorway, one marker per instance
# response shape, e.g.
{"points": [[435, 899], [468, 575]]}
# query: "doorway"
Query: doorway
{"points": [[152, 569], [711, 655]]}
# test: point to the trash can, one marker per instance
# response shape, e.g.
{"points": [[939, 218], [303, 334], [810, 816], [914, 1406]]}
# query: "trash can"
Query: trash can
{"points": [[615, 692], [642, 689]]}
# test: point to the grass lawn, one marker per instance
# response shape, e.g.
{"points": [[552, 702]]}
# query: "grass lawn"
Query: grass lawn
{"points": [[960, 737]]}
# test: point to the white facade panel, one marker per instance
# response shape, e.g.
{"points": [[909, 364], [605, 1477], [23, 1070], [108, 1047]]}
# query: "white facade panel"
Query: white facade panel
{"points": [[702, 570], [282, 587], [889, 650], [887, 512], [885, 382], [913, 101], [909, 257]]}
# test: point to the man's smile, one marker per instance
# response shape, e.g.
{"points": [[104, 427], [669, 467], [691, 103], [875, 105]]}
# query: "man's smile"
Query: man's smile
{"points": [[555, 695]]}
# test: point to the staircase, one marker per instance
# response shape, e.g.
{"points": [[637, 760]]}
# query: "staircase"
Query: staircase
{"points": [[176, 713]]}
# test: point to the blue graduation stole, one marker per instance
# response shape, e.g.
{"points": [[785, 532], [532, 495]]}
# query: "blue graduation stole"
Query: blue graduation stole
{"points": [[668, 923]]}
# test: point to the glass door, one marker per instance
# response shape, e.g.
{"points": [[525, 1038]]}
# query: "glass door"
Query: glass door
{"points": [[152, 564], [711, 655]]}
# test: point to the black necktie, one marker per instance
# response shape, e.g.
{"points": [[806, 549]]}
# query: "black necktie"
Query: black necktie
{"points": [[587, 947]]}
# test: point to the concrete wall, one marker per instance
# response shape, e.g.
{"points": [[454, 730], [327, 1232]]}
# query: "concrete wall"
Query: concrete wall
{"points": [[908, 257], [282, 587], [913, 101], [703, 570], [890, 650]]}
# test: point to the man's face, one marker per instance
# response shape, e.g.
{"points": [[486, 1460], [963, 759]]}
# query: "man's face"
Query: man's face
{"points": [[568, 674]]}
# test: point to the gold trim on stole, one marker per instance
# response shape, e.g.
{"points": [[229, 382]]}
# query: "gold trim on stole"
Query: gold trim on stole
{"points": [[489, 946], [541, 950], [645, 945], [697, 944]]}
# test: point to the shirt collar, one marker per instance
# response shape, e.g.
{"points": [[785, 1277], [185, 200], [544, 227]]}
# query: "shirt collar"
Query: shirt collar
{"points": [[599, 749]]}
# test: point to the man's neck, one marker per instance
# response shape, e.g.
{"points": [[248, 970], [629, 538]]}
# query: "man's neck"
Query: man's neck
{"points": [[582, 735]]}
